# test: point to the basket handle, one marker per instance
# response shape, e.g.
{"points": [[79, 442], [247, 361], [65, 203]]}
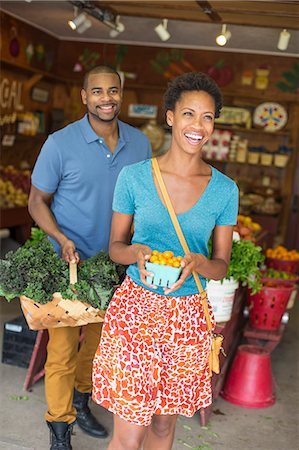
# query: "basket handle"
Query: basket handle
{"points": [[73, 272]]}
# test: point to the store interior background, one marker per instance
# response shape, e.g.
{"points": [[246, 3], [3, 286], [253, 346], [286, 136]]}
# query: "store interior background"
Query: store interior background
{"points": [[43, 63]]}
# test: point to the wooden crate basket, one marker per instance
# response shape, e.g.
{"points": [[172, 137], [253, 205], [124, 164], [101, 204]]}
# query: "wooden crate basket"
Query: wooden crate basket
{"points": [[60, 312]]}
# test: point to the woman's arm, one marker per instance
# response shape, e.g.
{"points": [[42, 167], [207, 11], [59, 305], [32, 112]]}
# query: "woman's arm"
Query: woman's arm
{"points": [[120, 249], [215, 268]]}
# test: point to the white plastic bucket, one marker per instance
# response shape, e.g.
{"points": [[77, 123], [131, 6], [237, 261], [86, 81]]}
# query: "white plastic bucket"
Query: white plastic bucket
{"points": [[221, 295]]}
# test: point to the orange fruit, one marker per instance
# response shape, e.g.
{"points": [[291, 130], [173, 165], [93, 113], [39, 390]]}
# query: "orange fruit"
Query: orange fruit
{"points": [[168, 254]]}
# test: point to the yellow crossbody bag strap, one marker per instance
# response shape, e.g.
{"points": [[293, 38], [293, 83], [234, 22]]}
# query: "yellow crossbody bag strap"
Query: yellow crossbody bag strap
{"points": [[181, 237]]}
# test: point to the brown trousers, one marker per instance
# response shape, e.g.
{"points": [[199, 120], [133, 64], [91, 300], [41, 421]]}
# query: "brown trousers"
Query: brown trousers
{"points": [[68, 367]]}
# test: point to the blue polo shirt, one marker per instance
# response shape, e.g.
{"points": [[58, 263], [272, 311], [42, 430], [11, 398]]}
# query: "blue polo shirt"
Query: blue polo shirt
{"points": [[78, 167], [136, 194]]}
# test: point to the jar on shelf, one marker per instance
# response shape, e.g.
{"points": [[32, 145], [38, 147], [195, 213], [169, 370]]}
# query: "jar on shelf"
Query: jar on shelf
{"points": [[254, 155], [281, 158], [242, 150], [266, 158], [233, 147]]}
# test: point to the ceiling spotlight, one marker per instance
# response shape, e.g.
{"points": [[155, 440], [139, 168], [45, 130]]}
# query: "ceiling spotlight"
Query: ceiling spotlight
{"points": [[84, 26], [77, 21], [225, 35], [283, 40], [119, 28], [162, 31]]}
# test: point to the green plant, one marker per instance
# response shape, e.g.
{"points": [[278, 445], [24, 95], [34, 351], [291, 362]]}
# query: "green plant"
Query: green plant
{"points": [[36, 271], [244, 267]]}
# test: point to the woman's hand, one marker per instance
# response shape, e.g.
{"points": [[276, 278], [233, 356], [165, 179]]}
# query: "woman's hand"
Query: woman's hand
{"points": [[191, 262], [143, 254]]}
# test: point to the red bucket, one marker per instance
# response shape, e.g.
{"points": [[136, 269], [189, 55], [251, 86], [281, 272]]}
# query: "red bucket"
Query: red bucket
{"points": [[249, 382], [284, 265], [266, 308]]}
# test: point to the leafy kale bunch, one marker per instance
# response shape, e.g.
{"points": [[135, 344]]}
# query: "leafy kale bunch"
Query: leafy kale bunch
{"points": [[97, 278], [36, 271], [244, 266], [33, 270]]}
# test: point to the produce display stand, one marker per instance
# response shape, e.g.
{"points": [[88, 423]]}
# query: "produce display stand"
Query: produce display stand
{"points": [[38, 358], [36, 369], [19, 219], [265, 338], [232, 332]]}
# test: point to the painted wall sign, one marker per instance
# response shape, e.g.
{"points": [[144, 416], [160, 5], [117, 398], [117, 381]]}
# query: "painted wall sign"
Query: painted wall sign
{"points": [[11, 94]]}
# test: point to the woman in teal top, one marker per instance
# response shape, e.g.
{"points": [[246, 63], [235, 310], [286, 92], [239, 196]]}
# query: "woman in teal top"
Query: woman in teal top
{"points": [[152, 362]]}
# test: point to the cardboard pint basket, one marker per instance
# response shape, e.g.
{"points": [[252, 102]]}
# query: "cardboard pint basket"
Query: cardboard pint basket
{"points": [[60, 312]]}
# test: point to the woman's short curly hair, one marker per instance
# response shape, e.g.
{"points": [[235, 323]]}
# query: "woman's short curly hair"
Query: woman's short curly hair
{"points": [[192, 81]]}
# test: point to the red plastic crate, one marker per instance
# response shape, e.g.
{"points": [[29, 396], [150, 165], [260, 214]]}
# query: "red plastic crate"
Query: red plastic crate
{"points": [[283, 265]]}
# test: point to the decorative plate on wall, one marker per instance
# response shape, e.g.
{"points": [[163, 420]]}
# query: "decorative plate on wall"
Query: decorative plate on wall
{"points": [[270, 116]]}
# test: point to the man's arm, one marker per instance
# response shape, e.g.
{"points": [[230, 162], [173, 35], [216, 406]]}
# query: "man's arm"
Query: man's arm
{"points": [[39, 209]]}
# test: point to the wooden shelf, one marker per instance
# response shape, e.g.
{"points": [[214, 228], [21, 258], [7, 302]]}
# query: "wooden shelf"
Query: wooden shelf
{"points": [[45, 75], [251, 130], [237, 163]]}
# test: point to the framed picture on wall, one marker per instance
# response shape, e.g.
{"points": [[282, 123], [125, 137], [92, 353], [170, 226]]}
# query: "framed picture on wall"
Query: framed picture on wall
{"points": [[39, 95], [41, 121]]}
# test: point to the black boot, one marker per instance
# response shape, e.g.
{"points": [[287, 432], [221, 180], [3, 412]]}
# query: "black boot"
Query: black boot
{"points": [[86, 421], [60, 435]]}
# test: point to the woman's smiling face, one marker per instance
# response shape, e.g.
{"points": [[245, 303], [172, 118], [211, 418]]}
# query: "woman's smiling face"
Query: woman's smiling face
{"points": [[192, 120]]}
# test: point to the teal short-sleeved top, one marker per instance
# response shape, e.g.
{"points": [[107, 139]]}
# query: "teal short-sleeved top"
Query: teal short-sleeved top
{"points": [[136, 193]]}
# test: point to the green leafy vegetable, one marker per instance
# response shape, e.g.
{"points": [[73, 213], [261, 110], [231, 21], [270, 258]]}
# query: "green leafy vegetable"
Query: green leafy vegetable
{"points": [[244, 266], [36, 271], [97, 279]]}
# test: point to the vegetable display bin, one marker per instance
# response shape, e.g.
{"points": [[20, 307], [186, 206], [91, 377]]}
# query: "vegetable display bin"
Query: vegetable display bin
{"points": [[59, 312], [249, 382], [221, 295], [164, 276], [291, 266], [267, 306]]}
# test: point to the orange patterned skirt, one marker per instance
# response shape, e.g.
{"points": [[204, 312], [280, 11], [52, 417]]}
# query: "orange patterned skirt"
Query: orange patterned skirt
{"points": [[153, 356]]}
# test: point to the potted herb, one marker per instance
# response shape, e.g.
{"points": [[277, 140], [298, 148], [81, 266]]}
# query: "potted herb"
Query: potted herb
{"points": [[244, 270]]}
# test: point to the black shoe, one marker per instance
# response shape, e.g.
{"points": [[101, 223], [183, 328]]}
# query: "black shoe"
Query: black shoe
{"points": [[86, 421], [60, 435]]}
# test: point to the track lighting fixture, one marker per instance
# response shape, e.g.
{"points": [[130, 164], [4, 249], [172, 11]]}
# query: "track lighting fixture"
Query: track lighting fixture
{"points": [[119, 28], [283, 40], [225, 35], [77, 21], [162, 31], [84, 26], [80, 23]]}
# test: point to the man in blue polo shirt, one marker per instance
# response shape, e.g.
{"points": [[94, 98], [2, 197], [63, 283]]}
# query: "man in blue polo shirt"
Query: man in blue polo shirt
{"points": [[71, 200]]}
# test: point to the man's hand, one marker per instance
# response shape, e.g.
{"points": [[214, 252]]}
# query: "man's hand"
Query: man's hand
{"points": [[68, 252]]}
